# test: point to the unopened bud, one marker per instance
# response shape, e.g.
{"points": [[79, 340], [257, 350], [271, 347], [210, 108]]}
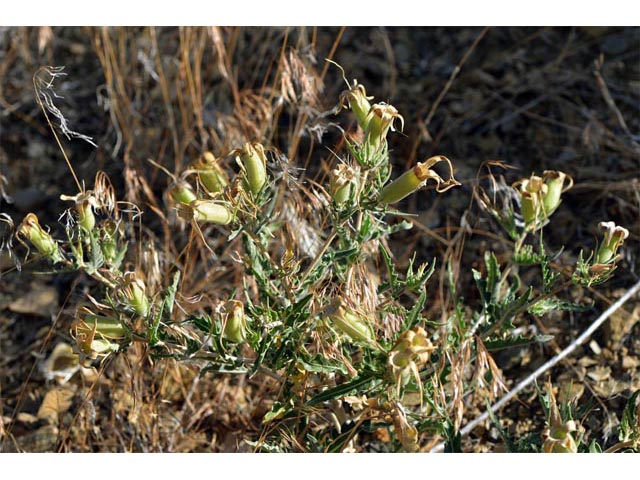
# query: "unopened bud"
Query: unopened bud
{"points": [[254, 163], [211, 175], [351, 324], [209, 211], [236, 324], [182, 193]]}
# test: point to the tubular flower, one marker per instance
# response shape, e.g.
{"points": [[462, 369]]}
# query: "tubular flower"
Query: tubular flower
{"points": [[540, 196], [356, 99], [235, 327], [557, 436], [182, 193], [532, 192], [97, 335], [379, 120], [417, 178], [31, 230], [133, 294], [555, 182], [614, 237], [85, 203], [207, 211]]}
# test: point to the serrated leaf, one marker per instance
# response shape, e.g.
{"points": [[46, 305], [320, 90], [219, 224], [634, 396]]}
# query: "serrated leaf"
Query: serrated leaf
{"points": [[277, 411], [594, 447], [510, 446], [391, 269], [97, 258], [360, 384], [166, 309], [629, 428], [414, 315], [318, 366], [551, 304], [493, 345]]}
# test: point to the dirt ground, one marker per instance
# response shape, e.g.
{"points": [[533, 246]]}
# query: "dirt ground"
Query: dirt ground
{"points": [[535, 98]]}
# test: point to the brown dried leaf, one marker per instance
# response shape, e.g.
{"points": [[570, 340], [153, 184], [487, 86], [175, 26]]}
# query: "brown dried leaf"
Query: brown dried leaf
{"points": [[41, 300], [56, 402]]}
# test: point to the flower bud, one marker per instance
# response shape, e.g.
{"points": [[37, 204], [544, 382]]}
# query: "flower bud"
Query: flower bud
{"points": [[253, 161], [211, 175], [30, 229], [614, 237], [109, 239], [378, 122], [350, 323], [236, 324], [417, 178], [208, 211], [182, 193]]}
